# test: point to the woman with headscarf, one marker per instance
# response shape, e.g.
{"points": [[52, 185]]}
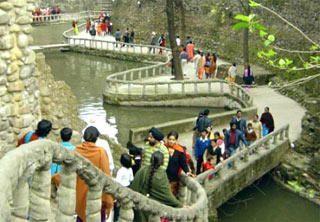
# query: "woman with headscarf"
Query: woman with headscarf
{"points": [[152, 182]]}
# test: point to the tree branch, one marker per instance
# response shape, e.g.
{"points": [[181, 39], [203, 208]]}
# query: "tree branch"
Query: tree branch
{"points": [[290, 24], [294, 51]]}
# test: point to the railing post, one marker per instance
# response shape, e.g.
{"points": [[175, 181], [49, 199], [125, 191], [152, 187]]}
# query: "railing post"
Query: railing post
{"points": [[183, 88], [221, 88], [287, 132], [116, 85], [196, 87], [143, 89], [153, 71], [154, 218], [238, 92], [281, 135], [139, 75], [129, 88], [66, 194], [20, 202], [93, 207], [40, 195], [131, 76], [126, 212], [267, 144], [275, 139], [209, 87]]}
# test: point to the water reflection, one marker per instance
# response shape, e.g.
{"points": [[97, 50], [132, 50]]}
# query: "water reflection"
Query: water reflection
{"points": [[266, 201]]}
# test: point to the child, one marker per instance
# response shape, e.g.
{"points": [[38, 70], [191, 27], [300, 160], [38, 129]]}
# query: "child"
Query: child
{"points": [[124, 177], [251, 136], [202, 143], [209, 164], [65, 134], [136, 154]]}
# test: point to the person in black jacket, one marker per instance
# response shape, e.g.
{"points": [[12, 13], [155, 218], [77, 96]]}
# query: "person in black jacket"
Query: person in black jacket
{"points": [[202, 123], [177, 161]]}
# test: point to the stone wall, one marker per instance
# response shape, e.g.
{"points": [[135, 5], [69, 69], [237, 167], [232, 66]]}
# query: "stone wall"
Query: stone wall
{"points": [[19, 94], [28, 91], [57, 102]]}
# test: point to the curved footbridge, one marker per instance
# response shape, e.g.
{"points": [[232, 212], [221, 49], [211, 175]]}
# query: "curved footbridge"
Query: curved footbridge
{"points": [[203, 194]]}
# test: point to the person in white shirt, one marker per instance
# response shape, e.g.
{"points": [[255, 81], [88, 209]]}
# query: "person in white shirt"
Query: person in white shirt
{"points": [[125, 178], [178, 40]]}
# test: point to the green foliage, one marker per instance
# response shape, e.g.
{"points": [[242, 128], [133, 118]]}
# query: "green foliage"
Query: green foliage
{"points": [[253, 4], [240, 25], [252, 23]]}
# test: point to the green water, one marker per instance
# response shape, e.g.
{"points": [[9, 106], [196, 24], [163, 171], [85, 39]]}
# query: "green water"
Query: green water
{"points": [[268, 203], [49, 34]]}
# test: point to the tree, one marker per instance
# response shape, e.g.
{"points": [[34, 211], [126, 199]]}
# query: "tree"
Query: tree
{"points": [[245, 41], [308, 59], [172, 40], [181, 9]]}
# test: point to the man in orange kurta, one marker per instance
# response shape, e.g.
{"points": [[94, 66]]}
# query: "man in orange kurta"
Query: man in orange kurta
{"points": [[98, 157], [190, 49]]}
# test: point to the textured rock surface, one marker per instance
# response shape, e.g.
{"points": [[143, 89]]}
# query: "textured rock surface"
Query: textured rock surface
{"points": [[20, 108], [57, 102], [28, 91]]}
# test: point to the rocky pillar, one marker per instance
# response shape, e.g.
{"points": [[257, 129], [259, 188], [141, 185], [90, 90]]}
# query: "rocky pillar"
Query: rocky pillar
{"points": [[19, 106]]}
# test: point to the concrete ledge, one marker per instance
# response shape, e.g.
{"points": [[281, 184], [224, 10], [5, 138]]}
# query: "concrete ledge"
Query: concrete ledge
{"points": [[217, 99], [225, 186], [137, 135]]}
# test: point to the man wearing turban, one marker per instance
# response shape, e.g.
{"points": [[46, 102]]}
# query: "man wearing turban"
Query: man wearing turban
{"points": [[154, 144]]}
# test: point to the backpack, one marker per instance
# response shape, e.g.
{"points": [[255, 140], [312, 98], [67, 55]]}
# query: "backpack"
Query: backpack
{"points": [[207, 64]]}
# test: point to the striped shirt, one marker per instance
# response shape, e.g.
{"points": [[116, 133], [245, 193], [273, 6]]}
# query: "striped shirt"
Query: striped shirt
{"points": [[149, 150]]}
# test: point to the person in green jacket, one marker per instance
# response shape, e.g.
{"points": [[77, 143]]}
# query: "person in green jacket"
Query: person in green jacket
{"points": [[152, 182]]}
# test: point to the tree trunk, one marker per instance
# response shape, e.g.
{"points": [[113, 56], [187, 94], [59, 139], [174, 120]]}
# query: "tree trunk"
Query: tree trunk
{"points": [[180, 6], [245, 43], [172, 39]]}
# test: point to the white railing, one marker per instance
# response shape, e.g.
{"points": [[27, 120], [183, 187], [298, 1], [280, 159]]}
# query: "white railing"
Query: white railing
{"points": [[265, 143], [124, 82], [69, 16]]}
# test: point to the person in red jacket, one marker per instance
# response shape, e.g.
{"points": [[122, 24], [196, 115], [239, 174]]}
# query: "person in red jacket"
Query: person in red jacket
{"points": [[43, 129]]}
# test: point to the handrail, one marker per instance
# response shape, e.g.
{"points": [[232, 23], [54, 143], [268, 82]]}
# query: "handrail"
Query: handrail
{"points": [[67, 16], [244, 154], [128, 78], [33, 160]]}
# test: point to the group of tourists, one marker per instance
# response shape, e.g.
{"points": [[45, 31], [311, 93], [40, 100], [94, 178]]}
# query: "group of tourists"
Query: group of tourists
{"points": [[212, 148], [160, 41], [248, 77], [155, 169], [46, 12], [101, 27], [127, 36]]}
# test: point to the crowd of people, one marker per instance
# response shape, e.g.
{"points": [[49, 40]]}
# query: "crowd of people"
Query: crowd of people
{"points": [[154, 170], [45, 12], [101, 27]]}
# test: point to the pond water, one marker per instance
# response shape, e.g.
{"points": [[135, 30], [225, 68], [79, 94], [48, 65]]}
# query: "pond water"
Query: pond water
{"points": [[265, 201]]}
